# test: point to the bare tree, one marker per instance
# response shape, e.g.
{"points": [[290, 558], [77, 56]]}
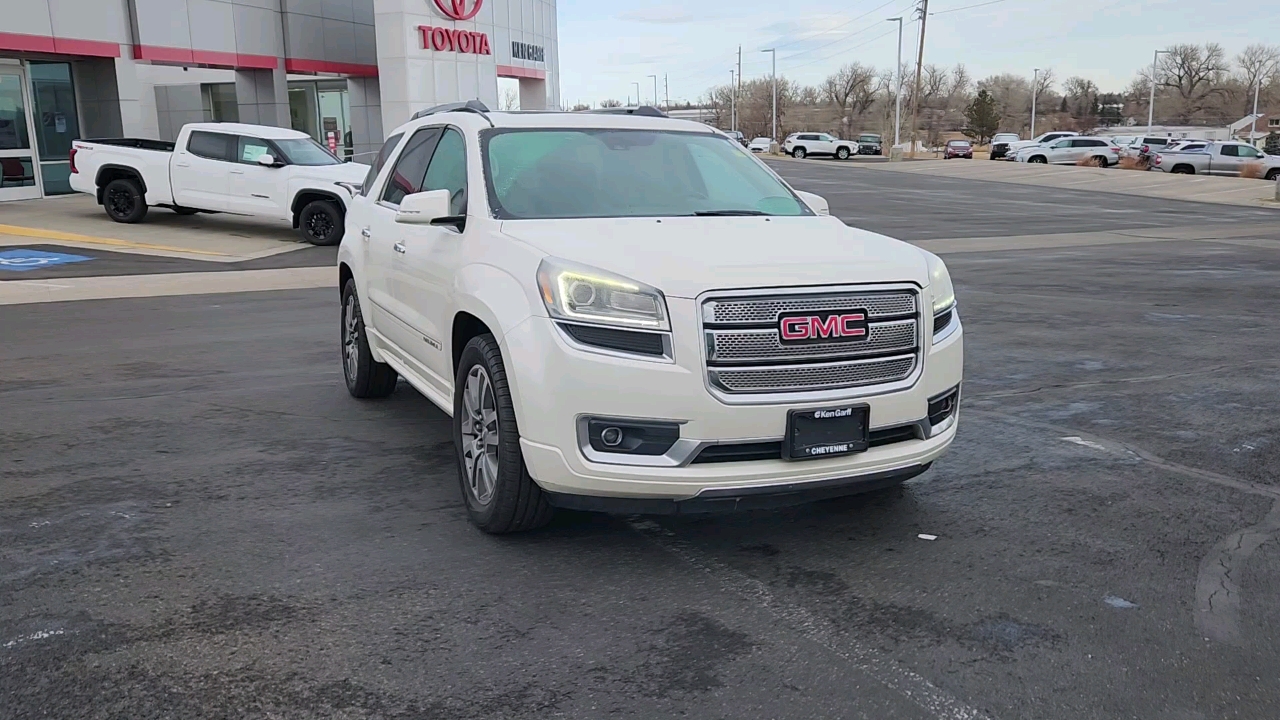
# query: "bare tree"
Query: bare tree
{"points": [[848, 88], [961, 83], [1081, 98], [510, 100], [610, 103], [580, 107], [1259, 64], [1195, 75]]}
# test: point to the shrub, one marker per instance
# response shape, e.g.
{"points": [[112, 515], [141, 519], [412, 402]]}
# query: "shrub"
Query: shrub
{"points": [[1131, 163]]}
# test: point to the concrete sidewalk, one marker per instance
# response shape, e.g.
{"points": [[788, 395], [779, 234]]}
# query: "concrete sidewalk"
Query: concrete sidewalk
{"points": [[1192, 188], [77, 221]]}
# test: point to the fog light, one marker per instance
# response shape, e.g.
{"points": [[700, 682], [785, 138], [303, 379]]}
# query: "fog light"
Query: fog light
{"points": [[631, 437], [942, 411]]}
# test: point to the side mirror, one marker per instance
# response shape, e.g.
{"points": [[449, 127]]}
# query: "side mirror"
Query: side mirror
{"points": [[267, 160], [816, 203], [423, 208]]}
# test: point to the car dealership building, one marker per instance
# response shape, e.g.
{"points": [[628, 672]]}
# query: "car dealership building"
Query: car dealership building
{"points": [[340, 70]]}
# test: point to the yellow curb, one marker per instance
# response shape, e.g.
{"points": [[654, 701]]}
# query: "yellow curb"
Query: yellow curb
{"points": [[91, 240]]}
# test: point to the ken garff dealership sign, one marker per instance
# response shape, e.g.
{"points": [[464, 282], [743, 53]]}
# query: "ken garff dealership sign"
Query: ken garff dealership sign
{"points": [[443, 39]]}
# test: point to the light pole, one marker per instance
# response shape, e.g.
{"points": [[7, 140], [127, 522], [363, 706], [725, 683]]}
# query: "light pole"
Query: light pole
{"points": [[655, 90], [774, 54], [1253, 125], [1151, 104], [637, 93], [897, 100], [1035, 88], [733, 103]]}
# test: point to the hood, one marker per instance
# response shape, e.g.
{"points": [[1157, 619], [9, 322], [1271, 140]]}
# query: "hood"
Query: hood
{"points": [[346, 172], [686, 256]]}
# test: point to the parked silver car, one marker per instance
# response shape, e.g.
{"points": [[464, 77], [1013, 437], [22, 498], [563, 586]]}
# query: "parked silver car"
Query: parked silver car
{"points": [[1218, 158]]}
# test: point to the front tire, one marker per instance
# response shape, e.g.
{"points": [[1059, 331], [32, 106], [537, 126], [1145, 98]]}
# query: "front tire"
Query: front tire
{"points": [[320, 223], [124, 202], [500, 495], [842, 153], [1273, 174], [1100, 161], [366, 377], [1039, 160], [798, 153]]}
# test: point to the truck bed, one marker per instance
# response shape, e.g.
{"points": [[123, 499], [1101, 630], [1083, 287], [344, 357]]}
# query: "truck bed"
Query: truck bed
{"points": [[139, 143]]}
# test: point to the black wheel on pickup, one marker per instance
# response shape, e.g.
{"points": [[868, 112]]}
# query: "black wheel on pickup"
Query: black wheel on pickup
{"points": [[123, 200], [366, 377], [501, 496], [320, 223]]}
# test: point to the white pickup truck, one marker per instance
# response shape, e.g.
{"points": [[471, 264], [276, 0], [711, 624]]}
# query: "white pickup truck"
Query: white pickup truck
{"points": [[222, 167], [634, 314]]}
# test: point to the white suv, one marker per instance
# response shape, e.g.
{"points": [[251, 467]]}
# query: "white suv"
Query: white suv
{"points": [[800, 145], [634, 314]]}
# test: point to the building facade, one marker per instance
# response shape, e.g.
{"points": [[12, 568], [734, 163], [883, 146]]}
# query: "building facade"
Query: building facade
{"points": [[340, 70]]}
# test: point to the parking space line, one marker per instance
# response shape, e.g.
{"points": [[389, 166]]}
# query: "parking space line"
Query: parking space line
{"points": [[23, 292], [43, 234]]}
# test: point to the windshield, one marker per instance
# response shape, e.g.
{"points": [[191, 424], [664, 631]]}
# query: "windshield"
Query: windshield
{"points": [[534, 174], [869, 138], [305, 151]]}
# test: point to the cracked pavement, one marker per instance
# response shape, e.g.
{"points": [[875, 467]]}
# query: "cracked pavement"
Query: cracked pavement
{"points": [[196, 520]]}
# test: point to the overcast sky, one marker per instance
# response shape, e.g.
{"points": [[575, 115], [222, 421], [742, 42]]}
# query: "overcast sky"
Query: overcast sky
{"points": [[605, 45]]}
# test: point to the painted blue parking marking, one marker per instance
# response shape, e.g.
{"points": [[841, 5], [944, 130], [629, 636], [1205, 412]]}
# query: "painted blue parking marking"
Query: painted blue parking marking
{"points": [[21, 259]]}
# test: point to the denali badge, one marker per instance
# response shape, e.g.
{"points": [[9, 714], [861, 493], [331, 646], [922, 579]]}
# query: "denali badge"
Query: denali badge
{"points": [[824, 325]]}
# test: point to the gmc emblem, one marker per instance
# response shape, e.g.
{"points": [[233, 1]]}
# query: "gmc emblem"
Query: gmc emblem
{"points": [[837, 325]]}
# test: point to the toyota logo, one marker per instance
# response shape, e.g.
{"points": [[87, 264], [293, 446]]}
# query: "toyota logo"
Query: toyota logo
{"points": [[457, 9]]}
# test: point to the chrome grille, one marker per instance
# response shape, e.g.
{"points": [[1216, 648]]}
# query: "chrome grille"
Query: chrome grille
{"points": [[828, 376], [747, 345], [745, 354], [740, 311]]}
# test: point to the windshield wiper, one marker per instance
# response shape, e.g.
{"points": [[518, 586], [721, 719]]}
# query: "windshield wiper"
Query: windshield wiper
{"points": [[727, 213]]}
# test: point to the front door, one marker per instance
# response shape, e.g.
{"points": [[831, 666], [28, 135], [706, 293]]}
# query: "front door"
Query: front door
{"points": [[258, 189], [19, 168]]}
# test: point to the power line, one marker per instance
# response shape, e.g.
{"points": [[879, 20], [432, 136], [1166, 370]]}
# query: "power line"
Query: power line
{"points": [[846, 37], [855, 47], [969, 7], [816, 33]]}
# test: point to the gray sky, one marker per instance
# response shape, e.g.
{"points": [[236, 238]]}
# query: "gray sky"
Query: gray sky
{"points": [[606, 45]]}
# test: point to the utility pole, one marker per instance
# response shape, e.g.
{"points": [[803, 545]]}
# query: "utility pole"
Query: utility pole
{"points": [[733, 102], [774, 54], [1035, 89], [915, 98], [666, 92], [737, 87], [1151, 104], [897, 95], [1253, 125], [637, 92]]}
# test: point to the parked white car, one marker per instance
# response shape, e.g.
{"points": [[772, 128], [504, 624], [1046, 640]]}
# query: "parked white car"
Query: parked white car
{"points": [[221, 167], [760, 145], [1141, 145], [801, 145], [634, 314], [1015, 146], [1072, 150]]}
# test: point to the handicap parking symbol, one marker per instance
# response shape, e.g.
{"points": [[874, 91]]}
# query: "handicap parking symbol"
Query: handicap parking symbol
{"points": [[20, 260]]}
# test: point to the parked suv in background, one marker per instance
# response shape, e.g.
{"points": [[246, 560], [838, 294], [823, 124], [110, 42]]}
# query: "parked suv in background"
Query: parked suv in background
{"points": [[800, 145], [870, 144], [634, 314], [1015, 147], [1097, 151], [1000, 144]]}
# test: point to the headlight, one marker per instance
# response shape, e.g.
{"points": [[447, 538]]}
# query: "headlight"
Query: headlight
{"points": [[586, 294], [940, 287]]}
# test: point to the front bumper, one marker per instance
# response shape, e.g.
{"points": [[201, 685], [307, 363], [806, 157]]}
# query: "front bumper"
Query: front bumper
{"points": [[556, 384]]}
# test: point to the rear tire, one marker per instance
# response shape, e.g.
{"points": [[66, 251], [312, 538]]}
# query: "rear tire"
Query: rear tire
{"points": [[798, 153], [1039, 160], [1100, 161], [1183, 170], [842, 153], [500, 495], [320, 223], [366, 377], [124, 202]]}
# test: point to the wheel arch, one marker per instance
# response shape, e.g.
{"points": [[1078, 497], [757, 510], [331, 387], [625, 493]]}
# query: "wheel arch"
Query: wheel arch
{"points": [[307, 196], [344, 274], [111, 172], [1188, 167]]}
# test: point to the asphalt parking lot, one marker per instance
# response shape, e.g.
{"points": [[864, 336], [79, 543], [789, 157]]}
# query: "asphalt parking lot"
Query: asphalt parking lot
{"points": [[197, 521]]}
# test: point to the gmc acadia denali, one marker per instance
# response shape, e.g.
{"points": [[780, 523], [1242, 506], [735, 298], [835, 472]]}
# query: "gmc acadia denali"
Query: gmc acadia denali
{"points": [[632, 313]]}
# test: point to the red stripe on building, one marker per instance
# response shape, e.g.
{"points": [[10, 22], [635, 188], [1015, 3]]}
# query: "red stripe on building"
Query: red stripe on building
{"points": [[213, 58], [16, 42], [300, 65], [511, 71]]}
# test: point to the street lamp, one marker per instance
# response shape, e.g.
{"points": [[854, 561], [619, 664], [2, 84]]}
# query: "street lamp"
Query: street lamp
{"points": [[774, 54], [733, 103], [1151, 104], [655, 90], [897, 102], [637, 93], [1035, 87]]}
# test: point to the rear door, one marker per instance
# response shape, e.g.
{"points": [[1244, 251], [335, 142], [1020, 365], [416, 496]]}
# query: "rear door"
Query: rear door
{"points": [[257, 189], [1226, 160], [200, 170]]}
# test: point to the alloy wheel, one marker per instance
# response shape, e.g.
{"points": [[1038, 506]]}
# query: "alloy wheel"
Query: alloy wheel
{"points": [[351, 339], [479, 423], [120, 201], [319, 225]]}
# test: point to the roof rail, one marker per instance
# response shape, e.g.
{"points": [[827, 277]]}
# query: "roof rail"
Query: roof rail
{"points": [[472, 106], [642, 110]]}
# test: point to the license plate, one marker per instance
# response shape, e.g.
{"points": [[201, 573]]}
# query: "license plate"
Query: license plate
{"points": [[826, 432]]}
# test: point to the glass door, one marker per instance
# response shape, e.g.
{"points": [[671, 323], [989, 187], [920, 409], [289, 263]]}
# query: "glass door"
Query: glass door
{"points": [[19, 171]]}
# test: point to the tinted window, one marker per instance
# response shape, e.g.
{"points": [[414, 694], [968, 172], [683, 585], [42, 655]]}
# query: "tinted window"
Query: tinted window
{"points": [[1229, 151], [627, 173], [214, 146], [448, 171], [411, 167], [1089, 143], [251, 149], [388, 147]]}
